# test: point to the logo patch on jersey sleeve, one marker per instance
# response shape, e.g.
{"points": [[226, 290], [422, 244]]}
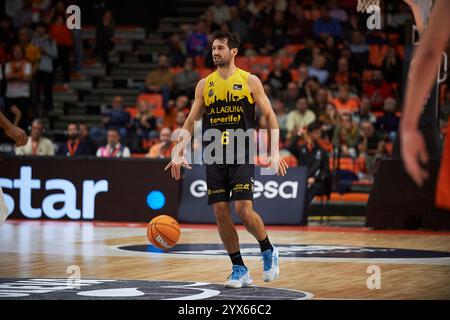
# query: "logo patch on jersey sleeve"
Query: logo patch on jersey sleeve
{"points": [[237, 86]]}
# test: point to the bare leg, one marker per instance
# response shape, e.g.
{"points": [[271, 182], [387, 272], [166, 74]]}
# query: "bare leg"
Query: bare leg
{"points": [[251, 219], [226, 228]]}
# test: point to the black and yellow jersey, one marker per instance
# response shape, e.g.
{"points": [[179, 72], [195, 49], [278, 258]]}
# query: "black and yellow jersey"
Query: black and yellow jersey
{"points": [[229, 104]]}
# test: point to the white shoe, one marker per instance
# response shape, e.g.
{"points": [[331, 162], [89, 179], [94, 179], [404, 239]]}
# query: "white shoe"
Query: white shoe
{"points": [[240, 277], [271, 269]]}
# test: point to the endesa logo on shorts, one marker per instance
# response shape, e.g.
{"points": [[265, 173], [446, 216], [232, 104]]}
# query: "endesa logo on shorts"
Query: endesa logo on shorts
{"points": [[60, 198], [270, 189]]}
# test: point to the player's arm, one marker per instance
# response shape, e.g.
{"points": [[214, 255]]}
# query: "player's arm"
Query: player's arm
{"points": [[195, 114], [15, 133], [424, 66], [418, 17], [263, 103]]}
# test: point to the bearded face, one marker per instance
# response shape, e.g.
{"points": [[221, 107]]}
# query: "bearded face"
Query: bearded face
{"points": [[221, 53]]}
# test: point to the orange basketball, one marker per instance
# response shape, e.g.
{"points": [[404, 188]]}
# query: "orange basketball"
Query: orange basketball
{"points": [[163, 232]]}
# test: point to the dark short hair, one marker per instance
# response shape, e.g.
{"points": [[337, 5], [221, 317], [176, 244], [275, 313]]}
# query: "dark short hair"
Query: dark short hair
{"points": [[316, 125], [116, 130], [232, 38]]}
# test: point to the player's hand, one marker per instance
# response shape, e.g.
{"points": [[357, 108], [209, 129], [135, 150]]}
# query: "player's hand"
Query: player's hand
{"points": [[279, 165], [18, 135], [414, 155], [175, 166]]}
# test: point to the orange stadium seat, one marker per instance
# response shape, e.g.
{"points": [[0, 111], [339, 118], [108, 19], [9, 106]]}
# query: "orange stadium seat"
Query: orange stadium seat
{"points": [[295, 74], [133, 111], [199, 62], [242, 62], [203, 72], [292, 49]]}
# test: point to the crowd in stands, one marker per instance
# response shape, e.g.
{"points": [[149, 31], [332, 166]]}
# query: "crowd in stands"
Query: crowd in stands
{"points": [[320, 66]]}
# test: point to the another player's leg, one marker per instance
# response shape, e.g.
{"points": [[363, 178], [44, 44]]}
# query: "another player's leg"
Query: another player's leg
{"points": [[254, 224], [240, 275]]}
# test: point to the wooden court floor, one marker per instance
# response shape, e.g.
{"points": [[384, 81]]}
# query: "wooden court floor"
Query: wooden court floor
{"points": [[327, 262]]}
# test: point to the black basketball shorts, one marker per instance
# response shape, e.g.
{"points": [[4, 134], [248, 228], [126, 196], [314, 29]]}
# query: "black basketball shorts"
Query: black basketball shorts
{"points": [[228, 182]]}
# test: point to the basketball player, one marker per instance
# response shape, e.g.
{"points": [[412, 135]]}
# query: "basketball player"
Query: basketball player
{"points": [[213, 95], [20, 137], [421, 79]]}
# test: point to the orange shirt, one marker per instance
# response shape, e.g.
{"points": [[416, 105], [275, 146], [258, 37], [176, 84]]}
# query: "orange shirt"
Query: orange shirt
{"points": [[349, 106], [61, 34]]}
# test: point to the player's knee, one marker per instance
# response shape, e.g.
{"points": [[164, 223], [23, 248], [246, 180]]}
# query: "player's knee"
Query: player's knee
{"points": [[244, 210], [222, 211]]}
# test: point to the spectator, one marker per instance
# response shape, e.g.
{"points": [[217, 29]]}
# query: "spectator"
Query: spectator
{"points": [[304, 56], [377, 90], [238, 25], [32, 53], [7, 33], [58, 9], [181, 104], [161, 79], [318, 69], [221, 11], [113, 148], [279, 77], [291, 96], [104, 34], [337, 12], [326, 25], [346, 137], [371, 146], [268, 90], [162, 149], [24, 17], [279, 27], [118, 118], [388, 123], [91, 146], [37, 145], [74, 147], [18, 74], [343, 102], [364, 112], [186, 80], [180, 119], [144, 124], [311, 155], [177, 50], [330, 119], [64, 41], [320, 102], [280, 112], [302, 75], [343, 75], [44, 76], [310, 88], [359, 50], [300, 118], [392, 66], [197, 41]]}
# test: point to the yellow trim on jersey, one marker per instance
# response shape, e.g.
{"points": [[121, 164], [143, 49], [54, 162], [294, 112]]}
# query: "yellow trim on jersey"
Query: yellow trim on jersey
{"points": [[234, 88]]}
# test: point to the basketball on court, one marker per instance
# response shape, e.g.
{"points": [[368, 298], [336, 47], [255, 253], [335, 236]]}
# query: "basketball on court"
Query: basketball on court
{"points": [[163, 232]]}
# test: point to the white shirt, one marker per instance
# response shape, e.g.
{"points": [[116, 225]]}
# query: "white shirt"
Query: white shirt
{"points": [[118, 151], [18, 88]]}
